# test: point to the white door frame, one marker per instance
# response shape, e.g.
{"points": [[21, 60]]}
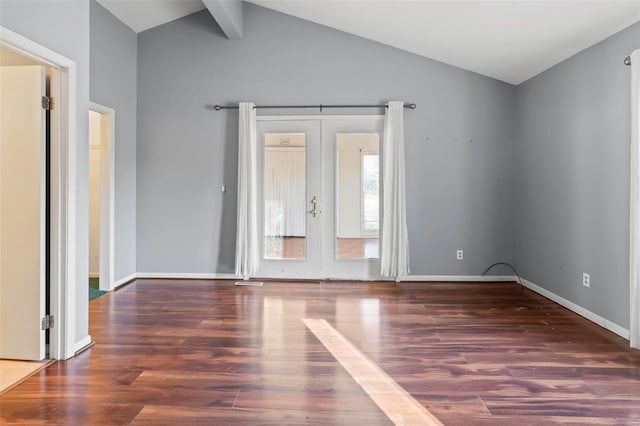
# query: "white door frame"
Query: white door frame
{"points": [[107, 194], [367, 269], [63, 249]]}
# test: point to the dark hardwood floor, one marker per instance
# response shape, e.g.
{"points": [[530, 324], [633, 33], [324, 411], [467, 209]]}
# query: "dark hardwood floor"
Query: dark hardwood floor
{"points": [[203, 352]]}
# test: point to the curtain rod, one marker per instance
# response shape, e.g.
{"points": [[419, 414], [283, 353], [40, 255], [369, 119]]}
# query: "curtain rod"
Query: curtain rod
{"points": [[320, 107], [627, 60]]}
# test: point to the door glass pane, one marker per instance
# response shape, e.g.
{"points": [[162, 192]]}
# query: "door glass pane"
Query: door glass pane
{"points": [[284, 196], [370, 192], [357, 195]]}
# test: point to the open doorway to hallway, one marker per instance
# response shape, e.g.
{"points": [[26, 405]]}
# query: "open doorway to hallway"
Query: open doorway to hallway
{"points": [[60, 306], [25, 192], [101, 133]]}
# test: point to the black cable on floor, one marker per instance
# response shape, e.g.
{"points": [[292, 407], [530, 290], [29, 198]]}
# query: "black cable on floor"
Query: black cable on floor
{"points": [[510, 267]]}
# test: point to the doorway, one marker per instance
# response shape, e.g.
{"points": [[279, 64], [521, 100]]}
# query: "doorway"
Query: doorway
{"points": [[60, 270], [319, 201], [24, 205], [101, 199]]}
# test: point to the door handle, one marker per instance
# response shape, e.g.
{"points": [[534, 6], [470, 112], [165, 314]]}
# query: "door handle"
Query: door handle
{"points": [[314, 210]]}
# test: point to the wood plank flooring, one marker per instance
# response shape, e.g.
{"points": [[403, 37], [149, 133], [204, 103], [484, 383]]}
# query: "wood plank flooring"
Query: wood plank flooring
{"points": [[205, 352]]}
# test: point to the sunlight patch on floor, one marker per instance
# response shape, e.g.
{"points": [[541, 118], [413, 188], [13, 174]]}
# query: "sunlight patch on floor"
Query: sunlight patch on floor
{"points": [[393, 400]]}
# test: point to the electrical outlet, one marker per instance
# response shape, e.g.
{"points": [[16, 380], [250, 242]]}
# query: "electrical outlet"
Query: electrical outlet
{"points": [[459, 255], [586, 280]]}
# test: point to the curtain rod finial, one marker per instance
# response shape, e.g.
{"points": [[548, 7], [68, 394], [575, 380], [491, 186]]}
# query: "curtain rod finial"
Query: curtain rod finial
{"points": [[627, 60], [412, 106]]}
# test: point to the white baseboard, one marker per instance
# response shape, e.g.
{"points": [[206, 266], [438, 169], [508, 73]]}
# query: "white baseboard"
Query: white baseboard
{"points": [[459, 278], [358, 278], [603, 322], [186, 276], [124, 280], [82, 343], [408, 278]]}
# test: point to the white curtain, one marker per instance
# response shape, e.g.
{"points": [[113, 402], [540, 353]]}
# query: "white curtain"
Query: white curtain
{"points": [[394, 242], [634, 226], [284, 191], [247, 226]]}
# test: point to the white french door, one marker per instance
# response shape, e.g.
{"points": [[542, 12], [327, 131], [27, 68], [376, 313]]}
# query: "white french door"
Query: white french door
{"points": [[289, 199], [353, 197], [319, 197]]}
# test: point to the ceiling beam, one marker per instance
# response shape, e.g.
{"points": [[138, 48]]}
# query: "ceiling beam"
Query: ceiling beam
{"points": [[228, 15]]}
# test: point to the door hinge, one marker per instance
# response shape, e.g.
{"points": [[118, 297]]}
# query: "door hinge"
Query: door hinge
{"points": [[47, 322], [47, 103]]}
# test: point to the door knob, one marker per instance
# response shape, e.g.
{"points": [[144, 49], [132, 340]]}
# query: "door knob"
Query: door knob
{"points": [[314, 210]]}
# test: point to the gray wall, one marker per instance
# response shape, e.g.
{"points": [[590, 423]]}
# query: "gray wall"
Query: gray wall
{"points": [[460, 192], [572, 158], [114, 61], [63, 26]]}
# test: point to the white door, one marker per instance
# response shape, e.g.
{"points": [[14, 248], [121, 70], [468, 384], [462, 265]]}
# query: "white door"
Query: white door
{"points": [[320, 198], [290, 199], [22, 212], [353, 197]]}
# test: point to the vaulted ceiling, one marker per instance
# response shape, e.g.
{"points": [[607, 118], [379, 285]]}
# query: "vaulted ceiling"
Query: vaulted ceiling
{"points": [[510, 40]]}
